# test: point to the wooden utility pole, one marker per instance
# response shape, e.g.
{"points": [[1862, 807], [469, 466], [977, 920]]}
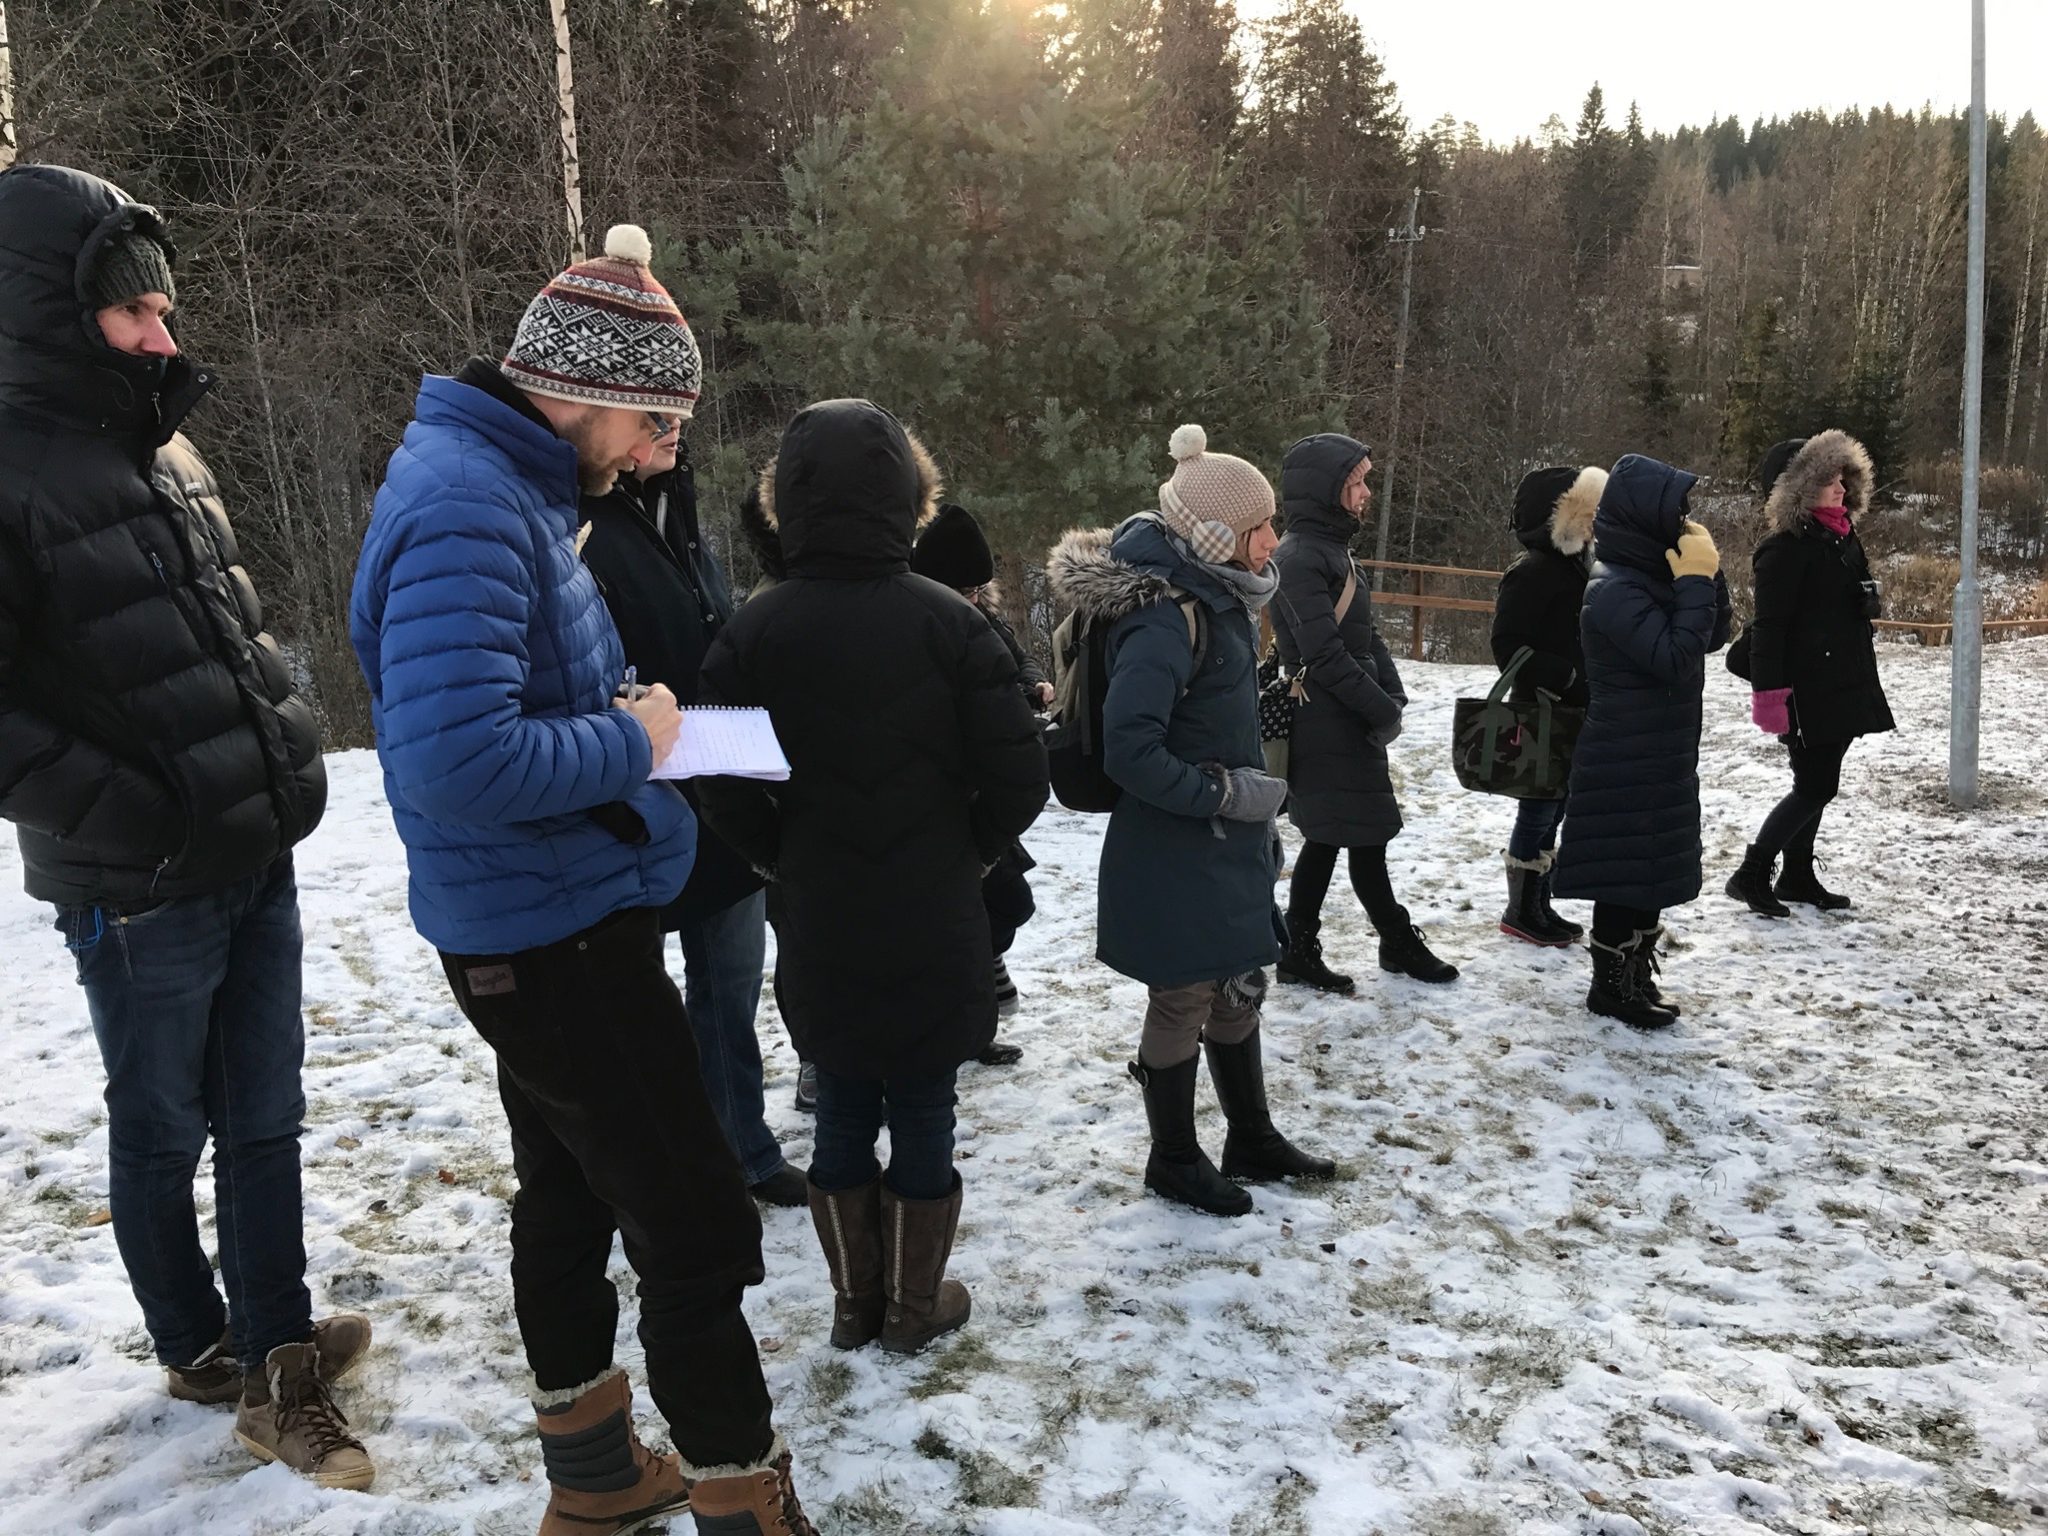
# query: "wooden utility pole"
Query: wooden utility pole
{"points": [[1409, 237], [565, 94]]}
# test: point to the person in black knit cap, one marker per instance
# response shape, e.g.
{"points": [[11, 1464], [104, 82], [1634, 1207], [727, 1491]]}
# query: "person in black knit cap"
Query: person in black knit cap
{"points": [[953, 551], [1812, 655]]}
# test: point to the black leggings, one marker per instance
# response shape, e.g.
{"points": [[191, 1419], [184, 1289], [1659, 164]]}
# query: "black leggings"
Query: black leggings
{"points": [[1794, 820], [1614, 925], [1317, 864]]}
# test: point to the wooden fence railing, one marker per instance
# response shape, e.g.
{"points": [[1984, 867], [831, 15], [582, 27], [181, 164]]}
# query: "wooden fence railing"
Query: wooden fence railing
{"points": [[1422, 601]]}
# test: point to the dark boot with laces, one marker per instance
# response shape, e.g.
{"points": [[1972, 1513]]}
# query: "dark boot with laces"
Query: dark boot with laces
{"points": [[1404, 952], [1751, 883], [1303, 962], [1617, 990], [1524, 917], [1801, 883], [286, 1416]]}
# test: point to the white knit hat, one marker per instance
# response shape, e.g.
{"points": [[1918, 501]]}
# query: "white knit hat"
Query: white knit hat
{"points": [[1212, 498]]}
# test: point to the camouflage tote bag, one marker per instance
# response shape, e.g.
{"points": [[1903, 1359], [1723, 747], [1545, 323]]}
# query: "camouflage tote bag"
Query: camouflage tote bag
{"points": [[1523, 750]]}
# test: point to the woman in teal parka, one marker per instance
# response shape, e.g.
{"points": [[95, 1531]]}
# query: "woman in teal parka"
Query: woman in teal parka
{"points": [[1185, 895]]}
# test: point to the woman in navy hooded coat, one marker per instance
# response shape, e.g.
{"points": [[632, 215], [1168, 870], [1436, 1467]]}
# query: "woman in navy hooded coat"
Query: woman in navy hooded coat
{"points": [[1656, 605]]}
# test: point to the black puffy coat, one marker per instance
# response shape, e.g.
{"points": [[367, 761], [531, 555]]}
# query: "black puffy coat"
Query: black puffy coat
{"points": [[668, 595], [1338, 788], [1812, 631], [1541, 593], [914, 761], [1632, 815], [151, 745]]}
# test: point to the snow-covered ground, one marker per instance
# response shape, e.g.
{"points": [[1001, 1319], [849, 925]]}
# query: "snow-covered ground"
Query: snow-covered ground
{"points": [[1779, 1270]]}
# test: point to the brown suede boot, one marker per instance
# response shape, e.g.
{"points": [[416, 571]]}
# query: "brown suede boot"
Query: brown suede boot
{"points": [[216, 1376], [748, 1501], [917, 1239], [287, 1416], [604, 1481], [850, 1231]]}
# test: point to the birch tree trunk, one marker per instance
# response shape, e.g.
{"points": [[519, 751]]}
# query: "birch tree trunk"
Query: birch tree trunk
{"points": [[565, 94], [8, 141]]}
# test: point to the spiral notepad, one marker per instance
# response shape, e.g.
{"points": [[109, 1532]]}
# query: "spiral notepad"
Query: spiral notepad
{"points": [[727, 741]]}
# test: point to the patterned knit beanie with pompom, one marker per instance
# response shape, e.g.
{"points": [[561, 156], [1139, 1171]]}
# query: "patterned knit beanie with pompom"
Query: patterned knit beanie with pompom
{"points": [[1212, 498], [606, 332]]}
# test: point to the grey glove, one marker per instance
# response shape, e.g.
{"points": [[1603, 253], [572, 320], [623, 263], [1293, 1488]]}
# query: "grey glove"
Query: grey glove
{"points": [[1251, 795], [1386, 736]]}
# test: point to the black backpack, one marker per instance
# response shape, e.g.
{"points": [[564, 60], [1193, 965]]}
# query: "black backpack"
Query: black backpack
{"points": [[1080, 681]]}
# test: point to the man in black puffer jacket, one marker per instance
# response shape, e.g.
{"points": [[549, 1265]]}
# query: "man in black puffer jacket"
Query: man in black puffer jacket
{"points": [[914, 764], [159, 769], [669, 597]]}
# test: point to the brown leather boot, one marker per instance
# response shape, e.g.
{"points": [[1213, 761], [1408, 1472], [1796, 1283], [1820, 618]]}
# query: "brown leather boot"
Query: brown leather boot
{"points": [[748, 1501], [850, 1231], [917, 1239], [604, 1481], [287, 1416]]}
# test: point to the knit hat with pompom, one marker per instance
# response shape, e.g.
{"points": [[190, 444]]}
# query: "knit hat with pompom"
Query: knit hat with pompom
{"points": [[607, 333], [1212, 497]]}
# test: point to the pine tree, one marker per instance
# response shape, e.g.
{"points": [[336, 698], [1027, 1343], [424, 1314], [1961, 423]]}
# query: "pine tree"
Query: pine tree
{"points": [[1592, 185], [1040, 307]]}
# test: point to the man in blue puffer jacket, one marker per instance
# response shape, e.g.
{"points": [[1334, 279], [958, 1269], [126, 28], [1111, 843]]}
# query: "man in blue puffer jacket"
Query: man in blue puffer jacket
{"points": [[540, 856]]}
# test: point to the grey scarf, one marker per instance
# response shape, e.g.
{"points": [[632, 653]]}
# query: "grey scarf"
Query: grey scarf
{"points": [[1254, 589]]}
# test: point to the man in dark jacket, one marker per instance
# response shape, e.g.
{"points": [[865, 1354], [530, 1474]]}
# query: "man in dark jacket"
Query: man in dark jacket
{"points": [[159, 770], [1537, 610], [669, 597], [913, 764]]}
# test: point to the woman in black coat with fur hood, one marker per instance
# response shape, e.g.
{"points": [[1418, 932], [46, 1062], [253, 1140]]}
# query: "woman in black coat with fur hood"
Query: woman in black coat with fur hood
{"points": [[1812, 654], [1538, 609], [914, 764]]}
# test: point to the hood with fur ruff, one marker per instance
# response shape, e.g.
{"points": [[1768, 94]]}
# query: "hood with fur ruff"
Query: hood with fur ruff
{"points": [[1554, 508], [1789, 506], [849, 488]]}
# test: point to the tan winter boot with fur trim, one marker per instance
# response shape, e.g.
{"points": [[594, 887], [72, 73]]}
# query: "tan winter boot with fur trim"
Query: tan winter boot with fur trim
{"points": [[748, 1501], [603, 1481]]}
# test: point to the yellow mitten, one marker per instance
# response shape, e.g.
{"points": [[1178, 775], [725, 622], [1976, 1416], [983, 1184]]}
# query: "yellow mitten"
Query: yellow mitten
{"points": [[1695, 555]]}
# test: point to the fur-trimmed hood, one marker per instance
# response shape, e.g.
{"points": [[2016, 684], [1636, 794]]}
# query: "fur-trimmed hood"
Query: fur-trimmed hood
{"points": [[1554, 508], [1084, 576], [1807, 467], [759, 528], [849, 488]]}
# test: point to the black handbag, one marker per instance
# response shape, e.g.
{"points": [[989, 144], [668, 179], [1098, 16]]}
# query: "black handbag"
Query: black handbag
{"points": [[1522, 750]]}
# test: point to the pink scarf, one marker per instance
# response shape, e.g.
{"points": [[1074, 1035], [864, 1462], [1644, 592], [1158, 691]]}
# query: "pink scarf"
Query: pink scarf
{"points": [[1834, 519]]}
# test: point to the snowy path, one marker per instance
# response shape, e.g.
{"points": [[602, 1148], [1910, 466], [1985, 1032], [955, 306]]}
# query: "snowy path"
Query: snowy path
{"points": [[1780, 1271]]}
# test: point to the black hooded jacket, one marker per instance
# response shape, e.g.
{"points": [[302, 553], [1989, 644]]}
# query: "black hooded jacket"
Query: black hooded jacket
{"points": [[151, 745], [1339, 788], [1540, 594], [914, 761]]}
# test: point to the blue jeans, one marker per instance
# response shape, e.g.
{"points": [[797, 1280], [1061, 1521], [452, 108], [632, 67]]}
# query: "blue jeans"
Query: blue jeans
{"points": [[1536, 824], [722, 959], [195, 1004], [851, 1114]]}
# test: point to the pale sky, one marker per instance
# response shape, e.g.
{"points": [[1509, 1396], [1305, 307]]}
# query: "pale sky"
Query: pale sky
{"points": [[1508, 64]]}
